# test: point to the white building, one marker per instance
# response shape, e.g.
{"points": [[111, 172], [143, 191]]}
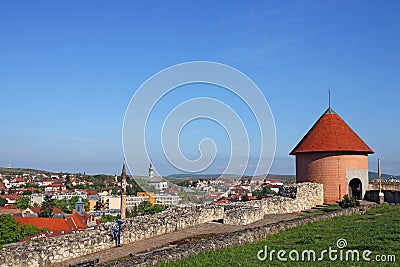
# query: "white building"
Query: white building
{"points": [[166, 200], [158, 183], [114, 202], [132, 201], [54, 187], [39, 198]]}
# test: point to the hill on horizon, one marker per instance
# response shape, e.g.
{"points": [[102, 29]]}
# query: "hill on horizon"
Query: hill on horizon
{"points": [[374, 175], [288, 177]]}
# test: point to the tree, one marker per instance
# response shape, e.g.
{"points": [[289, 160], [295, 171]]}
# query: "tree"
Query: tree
{"points": [[131, 192], [11, 231], [28, 192], [3, 202], [159, 208], [114, 191], [68, 182], [146, 208], [266, 190], [108, 218], [98, 206], [347, 202], [134, 188], [67, 205], [73, 201], [22, 203], [63, 204], [46, 210]]}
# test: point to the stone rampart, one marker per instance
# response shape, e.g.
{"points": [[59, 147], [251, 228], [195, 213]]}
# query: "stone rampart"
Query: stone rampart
{"points": [[48, 251], [44, 252], [290, 199], [222, 241], [242, 215]]}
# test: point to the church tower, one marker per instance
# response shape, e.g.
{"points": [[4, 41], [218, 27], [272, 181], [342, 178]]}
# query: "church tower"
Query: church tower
{"points": [[151, 171], [123, 192], [80, 207]]}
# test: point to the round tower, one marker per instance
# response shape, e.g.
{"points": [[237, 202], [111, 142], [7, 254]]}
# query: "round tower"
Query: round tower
{"points": [[332, 154]]}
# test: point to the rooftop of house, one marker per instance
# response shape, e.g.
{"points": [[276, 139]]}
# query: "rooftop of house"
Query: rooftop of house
{"points": [[73, 223], [157, 180], [9, 210], [54, 224], [55, 210]]}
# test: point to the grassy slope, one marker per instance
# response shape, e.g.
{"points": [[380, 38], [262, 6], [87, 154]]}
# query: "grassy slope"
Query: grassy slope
{"points": [[378, 231]]}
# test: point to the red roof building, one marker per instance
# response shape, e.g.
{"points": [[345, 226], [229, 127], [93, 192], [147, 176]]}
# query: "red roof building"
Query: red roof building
{"points": [[37, 210], [53, 224], [331, 153], [9, 210], [72, 224], [78, 221]]}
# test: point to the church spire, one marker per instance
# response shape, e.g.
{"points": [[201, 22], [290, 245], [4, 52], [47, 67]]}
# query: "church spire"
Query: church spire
{"points": [[123, 174], [123, 192], [151, 171]]}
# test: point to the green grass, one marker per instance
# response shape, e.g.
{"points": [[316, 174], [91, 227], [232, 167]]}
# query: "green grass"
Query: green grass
{"points": [[377, 231], [320, 211]]}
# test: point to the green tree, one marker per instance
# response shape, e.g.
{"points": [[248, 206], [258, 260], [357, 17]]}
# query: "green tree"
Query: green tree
{"points": [[67, 205], [108, 218], [11, 231], [46, 210], [146, 208], [22, 203], [159, 208], [63, 204], [73, 201], [266, 190], [131, 192], [3, 202], [81, 186], [114, 191], [347, 202], [134, 188], [98, 206], [68, 184], [28, 192]]}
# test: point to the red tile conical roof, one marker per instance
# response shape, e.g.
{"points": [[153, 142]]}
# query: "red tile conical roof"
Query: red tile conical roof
{"points": [[331, 134]]}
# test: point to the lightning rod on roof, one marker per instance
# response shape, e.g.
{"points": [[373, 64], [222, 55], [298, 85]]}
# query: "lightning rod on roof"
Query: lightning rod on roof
{"points": [[329, 97]]}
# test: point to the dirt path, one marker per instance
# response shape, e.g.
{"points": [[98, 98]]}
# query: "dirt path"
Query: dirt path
{"points": [[163, 240]]}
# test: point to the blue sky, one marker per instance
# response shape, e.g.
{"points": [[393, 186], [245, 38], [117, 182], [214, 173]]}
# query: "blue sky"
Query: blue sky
{"points": [[69, 69]]}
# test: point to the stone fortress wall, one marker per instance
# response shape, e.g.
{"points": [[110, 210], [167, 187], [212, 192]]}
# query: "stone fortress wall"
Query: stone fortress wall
{"points": [[241, 237], [290, 199]]}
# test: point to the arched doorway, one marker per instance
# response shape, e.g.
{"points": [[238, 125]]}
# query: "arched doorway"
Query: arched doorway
{"points": [[355, 188]]}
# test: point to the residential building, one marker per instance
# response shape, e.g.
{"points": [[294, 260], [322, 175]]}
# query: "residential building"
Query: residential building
{"points": [[158, 183], [39, 198], [166, 200], [132, 201]]}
